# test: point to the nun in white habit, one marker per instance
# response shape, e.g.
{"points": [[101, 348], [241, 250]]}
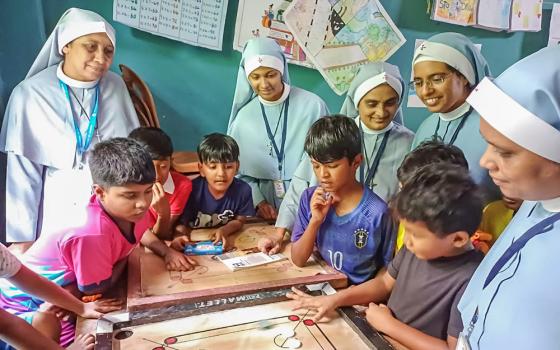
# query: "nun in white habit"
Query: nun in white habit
{"points": [[67, 103]]}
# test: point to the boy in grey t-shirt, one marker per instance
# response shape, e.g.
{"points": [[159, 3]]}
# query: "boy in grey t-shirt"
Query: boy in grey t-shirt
{"points": [[441, 208]]}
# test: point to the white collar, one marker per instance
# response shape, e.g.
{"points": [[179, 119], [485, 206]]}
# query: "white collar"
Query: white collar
{"points": [[73, 82], [456, 113], [552, 205], [371, 131], [282, 98], [169, 185]]}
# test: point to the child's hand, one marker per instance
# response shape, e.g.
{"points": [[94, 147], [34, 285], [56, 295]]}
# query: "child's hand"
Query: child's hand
{"points": [[179, 243], [159, 201], [320, 203], [378, 316], [322, 304], [176, 261], [101, 306], [269, 245], [61, 313], [220, 237]]}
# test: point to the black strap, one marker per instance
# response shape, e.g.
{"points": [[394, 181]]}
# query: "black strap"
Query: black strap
{"points": [[279, 152], [463, 118], [370, 174], [539, 228]]}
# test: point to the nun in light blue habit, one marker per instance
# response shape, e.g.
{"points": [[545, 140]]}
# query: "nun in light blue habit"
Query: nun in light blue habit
{"points": [[453, 120], [384, 145], [511, 301], [48, 181], [270, 134]]}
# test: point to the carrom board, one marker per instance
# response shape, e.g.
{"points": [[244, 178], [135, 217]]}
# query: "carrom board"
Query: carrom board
{"points": [[151, 285], [270, 325]]}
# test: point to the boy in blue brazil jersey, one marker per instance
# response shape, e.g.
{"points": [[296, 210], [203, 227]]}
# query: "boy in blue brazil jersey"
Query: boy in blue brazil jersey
{"points": [[346, 221]]}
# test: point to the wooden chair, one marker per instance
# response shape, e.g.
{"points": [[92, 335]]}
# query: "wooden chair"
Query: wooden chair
{"points": [[143, 101]]}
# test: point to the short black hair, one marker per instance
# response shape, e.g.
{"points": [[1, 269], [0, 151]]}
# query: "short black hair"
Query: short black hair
{"points": [[154, 140], [443, 196], [218, 148], [332, 138], [428, 152], [121, 161]]}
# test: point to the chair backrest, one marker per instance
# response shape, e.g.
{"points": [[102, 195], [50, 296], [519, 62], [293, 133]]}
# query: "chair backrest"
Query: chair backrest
{"points": [[141, 96]]}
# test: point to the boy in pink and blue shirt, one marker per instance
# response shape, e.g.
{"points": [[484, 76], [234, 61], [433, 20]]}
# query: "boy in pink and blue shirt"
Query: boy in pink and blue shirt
{"points": [[88, 259]]}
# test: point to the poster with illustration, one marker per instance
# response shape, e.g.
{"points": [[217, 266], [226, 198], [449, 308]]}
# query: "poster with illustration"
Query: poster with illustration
{"points": [[259, 18]]}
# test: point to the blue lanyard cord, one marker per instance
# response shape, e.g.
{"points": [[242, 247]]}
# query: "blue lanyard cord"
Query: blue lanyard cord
{"points": [[279, 152], [539, 228], [464, 117], [81, 144], [542, 226], [370, 174]]}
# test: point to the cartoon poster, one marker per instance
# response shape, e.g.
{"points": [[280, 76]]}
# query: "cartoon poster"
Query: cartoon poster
{"points": [[258, 18], [461, 12], [339, 36]]}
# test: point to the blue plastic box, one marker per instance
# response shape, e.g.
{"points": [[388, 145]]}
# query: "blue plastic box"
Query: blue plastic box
{"points": [[204, 248]]}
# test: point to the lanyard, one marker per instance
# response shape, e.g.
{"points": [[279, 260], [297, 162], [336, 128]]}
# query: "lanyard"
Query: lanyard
{"points": [[373, 168], [279, 152], [81, 144], [542, 226], [456, 132]]}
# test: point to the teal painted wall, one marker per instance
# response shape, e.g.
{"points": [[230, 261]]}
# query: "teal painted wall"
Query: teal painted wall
{"points": [[193, 86]]}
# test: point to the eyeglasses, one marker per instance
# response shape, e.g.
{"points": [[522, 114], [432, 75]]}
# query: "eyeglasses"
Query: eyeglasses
{"points": [[434, 80]]}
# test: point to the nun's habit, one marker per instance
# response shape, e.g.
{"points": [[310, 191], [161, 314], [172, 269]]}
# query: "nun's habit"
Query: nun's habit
{"points": [[268, 160], [519, 308], [380, 175], [460, 126], [48, 181]]}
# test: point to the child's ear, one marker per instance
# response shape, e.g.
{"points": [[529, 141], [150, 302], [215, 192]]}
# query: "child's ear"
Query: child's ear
{"points": [[99, 192], [460, 239], [200, 169], [65, 49], [357, 160]]}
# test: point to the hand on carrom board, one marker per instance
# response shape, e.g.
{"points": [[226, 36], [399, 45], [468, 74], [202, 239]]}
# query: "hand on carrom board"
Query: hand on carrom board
{"points": [[323, 305], [177, 261]]}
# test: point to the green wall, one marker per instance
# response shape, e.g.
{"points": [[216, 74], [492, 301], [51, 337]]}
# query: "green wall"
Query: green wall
{"points": [[193, 87]]}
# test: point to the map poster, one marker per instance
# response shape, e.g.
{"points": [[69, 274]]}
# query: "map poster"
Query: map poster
{"points": [[339, 36], [260, 18]]}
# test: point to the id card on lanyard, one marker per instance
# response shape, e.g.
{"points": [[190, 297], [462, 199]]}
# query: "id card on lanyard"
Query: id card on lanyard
{"points": [[541, 227], [279, 188], [83, 142]]}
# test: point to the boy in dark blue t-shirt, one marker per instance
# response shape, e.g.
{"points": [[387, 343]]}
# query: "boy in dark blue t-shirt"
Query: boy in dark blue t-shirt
{"points": [[218, 199], [347, 222]]}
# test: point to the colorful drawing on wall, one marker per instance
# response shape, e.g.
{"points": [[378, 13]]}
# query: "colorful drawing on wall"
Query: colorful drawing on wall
{"points": [[526, 15], [258, 18], [339, 36], [554, 33], [493, 14], [461, 12]]}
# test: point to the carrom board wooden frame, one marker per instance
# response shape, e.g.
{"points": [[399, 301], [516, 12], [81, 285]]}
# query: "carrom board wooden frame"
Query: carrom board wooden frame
{"points": [[106, 327], [137, 300]]}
